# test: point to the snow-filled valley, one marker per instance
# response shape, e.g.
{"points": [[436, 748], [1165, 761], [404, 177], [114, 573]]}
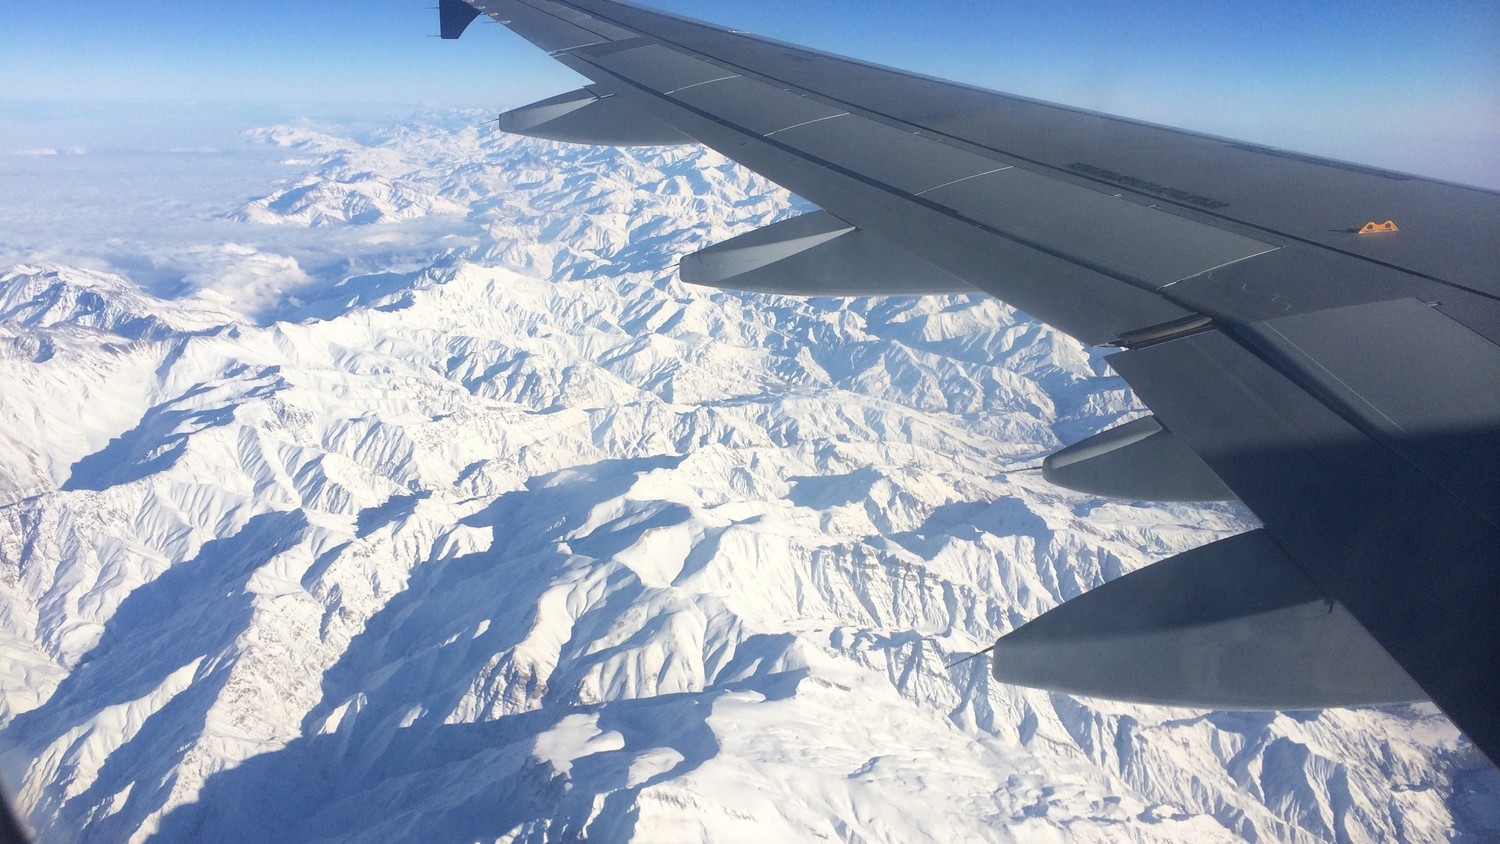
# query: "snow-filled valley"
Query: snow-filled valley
{"points": [[408, 495]]}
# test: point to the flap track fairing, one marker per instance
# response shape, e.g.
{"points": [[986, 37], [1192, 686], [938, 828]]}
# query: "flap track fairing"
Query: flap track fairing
{"points": [[1230, 625], [1140, 461], [816, 254], [586, 117]]}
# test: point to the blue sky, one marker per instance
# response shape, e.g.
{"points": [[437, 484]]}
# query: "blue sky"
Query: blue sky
{"points": [[1415, 86]]}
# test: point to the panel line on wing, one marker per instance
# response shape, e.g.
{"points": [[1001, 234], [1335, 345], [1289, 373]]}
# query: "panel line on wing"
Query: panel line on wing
{"points": [[543, 28], [1265, 251], [555, 53], [1334, 376], [704, 82], [964, 179], [805, 123], [580, 19]]}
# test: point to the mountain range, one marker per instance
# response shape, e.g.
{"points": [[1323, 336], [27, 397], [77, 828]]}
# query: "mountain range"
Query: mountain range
{"points": [[409, 495]]}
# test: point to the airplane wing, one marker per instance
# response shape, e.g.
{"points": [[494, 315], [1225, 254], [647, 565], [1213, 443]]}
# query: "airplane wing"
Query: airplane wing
{"points": [[1315, 338]]}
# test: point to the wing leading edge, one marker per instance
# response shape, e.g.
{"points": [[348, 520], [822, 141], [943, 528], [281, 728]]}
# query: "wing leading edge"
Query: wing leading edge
{"points": [[1345, 386]]}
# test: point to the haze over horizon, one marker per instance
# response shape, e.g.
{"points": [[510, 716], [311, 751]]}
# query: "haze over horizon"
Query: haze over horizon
{"points": [[1412, 88]]}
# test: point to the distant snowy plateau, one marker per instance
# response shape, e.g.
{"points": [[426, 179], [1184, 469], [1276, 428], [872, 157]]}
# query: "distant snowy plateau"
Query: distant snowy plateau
{"points": [[416, 499]]}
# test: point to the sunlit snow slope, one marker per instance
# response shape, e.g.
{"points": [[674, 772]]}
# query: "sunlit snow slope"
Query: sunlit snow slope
{"points": [[417, 500]]}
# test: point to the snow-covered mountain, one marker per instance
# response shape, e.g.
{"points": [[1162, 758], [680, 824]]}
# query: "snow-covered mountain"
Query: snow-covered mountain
{"points": [[417, 500]]}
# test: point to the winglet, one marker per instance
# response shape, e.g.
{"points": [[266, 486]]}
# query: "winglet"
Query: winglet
{"points": [[455, 16]]}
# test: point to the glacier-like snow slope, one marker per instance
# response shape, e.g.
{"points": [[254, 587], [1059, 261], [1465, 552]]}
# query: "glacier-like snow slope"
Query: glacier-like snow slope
{"points": [[417, 500]]}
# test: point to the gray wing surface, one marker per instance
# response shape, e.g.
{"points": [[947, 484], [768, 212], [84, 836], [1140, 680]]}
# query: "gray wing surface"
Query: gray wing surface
{"points": [[1316, 338]]}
